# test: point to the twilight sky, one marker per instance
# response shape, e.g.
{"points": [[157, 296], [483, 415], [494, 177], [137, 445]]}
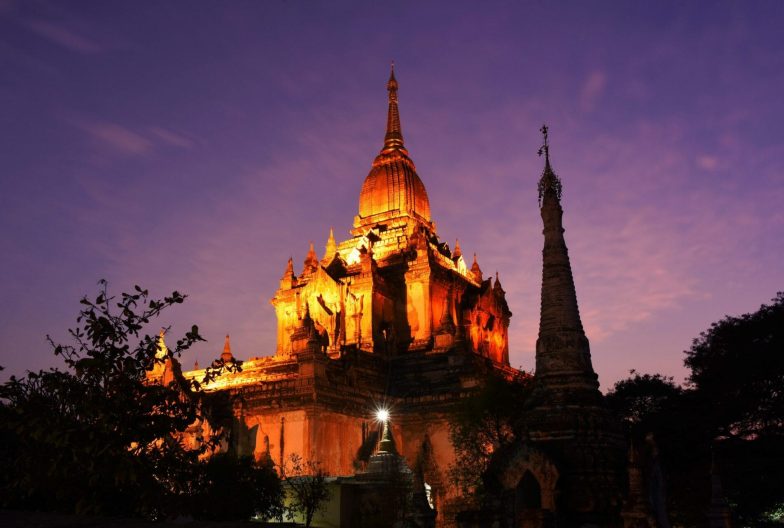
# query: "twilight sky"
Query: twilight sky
{"points": [[197, 145]]}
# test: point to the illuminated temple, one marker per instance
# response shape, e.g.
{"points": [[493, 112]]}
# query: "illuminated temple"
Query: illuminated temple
{"points": [[392, 317], [389, 316]]}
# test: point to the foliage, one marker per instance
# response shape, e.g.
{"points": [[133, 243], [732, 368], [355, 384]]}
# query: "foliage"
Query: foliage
{"points": [[232, 488], [737, 376], [664, 426], [737, 367], [485, 422], [97, 437], [306, 486], [642, 397], [732, 412]]}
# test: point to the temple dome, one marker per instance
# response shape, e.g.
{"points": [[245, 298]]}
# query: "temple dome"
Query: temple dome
{"points": [[393, 188]]}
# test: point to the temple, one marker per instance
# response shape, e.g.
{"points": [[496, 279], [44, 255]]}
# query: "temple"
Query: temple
{"points": [[393, 287], [566, 468], [390, 316]]}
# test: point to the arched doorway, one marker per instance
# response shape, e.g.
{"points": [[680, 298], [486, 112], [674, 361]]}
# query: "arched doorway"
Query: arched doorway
{"points": [[528, 495]]}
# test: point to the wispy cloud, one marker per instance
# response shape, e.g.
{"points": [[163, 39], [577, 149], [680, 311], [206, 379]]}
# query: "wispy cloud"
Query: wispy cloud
{"points": [[707, 162], [118, 137], [64, 36], [124, 140], [171, 138], [592, 89]]}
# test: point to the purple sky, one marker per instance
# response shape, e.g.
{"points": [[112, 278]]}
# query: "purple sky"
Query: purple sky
{"points": [[197, 145]]}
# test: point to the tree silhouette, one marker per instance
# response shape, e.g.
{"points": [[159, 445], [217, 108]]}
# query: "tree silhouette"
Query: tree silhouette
{"points": [[98, 437], [306, 485]]}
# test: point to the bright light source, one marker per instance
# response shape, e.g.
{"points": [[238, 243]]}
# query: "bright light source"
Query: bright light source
{"points": [[382, 415]]}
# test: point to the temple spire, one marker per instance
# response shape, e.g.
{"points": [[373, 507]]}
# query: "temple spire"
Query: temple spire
{"points": [[549, 183], [289, 271], [226, 355], [162, 352], [457, 252], [476, 270], [560, 317], [331, 248], [311, 261], [497, 285], [394, 135], [387, 443]]}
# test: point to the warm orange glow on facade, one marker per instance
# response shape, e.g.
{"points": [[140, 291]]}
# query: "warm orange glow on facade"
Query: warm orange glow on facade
{"points": [[390, 314]]}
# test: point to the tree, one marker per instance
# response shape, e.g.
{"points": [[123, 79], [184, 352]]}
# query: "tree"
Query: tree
{"points": [[737, 365], [640, 398], [737, 376], [729, 417], [665, 428], [97, 437], [306, 486], [485, 422], [232, 488]]}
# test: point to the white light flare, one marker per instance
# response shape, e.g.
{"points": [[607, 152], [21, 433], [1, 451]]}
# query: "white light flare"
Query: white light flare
{"points": [[382, 415]]}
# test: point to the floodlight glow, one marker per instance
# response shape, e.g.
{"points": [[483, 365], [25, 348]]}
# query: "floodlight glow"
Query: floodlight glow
{"points": [[382, 415]]}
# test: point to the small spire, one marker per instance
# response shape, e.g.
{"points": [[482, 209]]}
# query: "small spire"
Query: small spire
{"points": [[394, 135], [196, 364], [162, 351], [311, 261], [289, 272], [549, 183], [226, 355], [497, 285], [476, 270], [387, 443], [331, 248], [457, 252]]}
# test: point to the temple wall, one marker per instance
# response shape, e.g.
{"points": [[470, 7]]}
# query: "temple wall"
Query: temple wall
{"points": [[283, 433], [334, 440]]}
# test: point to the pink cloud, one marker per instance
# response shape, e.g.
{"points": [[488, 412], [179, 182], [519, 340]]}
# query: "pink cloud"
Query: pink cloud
{"points": [[115, 136], [592, 90], [171, 138], [707, 162], [63, 36]]}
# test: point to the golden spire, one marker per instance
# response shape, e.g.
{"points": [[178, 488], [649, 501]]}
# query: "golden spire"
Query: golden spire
{"points": [[311, 261], [387, 443], [331, 248], [394, 135], [457, 252], [226, 355], [289, 269], [162, 352], [476, 270]]}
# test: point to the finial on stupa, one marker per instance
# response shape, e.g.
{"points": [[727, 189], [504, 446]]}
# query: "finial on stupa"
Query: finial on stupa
{"points": [[497, 285], [549, 183], [226, 354], [196, 364], [289, 271], [394, 135], [331, 248], [387, 442], [392, 83], [162, 351], [457, 252], [476, 270], [311, 260]]}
